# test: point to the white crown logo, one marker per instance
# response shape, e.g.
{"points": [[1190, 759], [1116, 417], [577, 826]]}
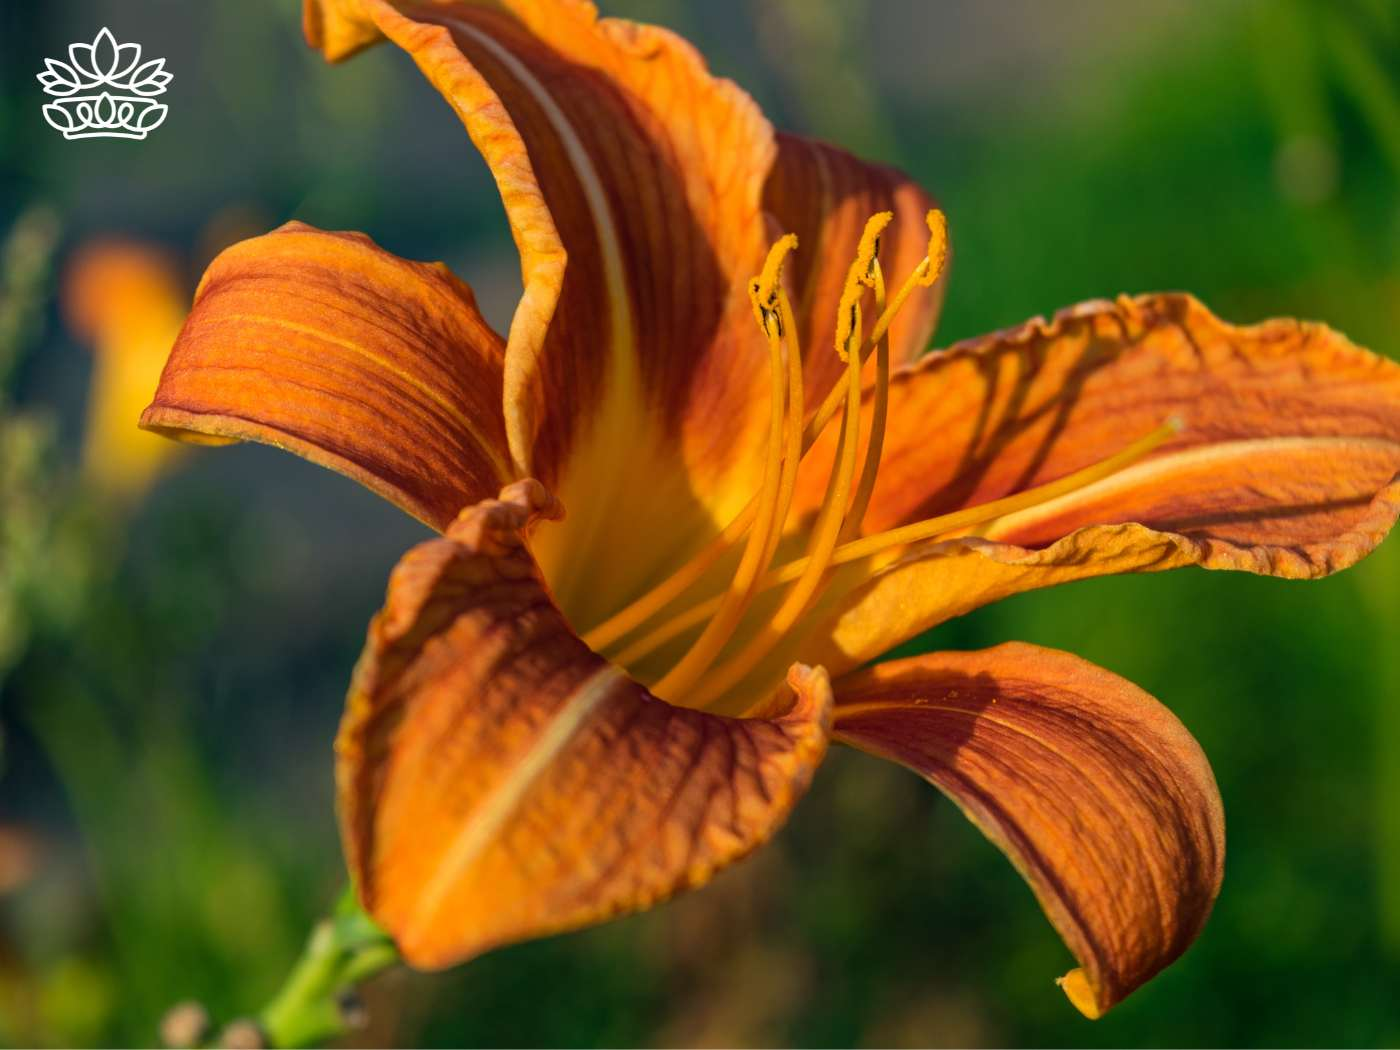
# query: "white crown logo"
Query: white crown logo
{"points": [[105, 90]]}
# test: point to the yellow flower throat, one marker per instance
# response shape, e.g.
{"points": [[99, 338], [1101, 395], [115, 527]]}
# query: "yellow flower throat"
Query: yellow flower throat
{"points": [[700, 678]]}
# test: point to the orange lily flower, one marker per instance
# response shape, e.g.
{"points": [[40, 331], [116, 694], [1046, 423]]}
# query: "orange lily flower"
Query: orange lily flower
{"points": [[558, 719]]}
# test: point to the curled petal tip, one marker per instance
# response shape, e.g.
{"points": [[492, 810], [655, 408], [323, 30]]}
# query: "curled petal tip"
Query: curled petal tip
{"points": [[497, 524], [312, 323], [337, 28], [811, 687], [533, 497], [1096, 792], [1080, 992]]}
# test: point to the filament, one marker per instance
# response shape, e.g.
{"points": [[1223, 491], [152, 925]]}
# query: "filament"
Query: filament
{"points": [[766, 293], [705, 672], [879, 411], [836, 503], [932, 528]]}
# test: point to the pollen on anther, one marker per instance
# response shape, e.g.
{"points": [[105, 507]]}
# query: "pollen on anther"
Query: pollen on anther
{"points": [[859, 277], [937, 247], [767, 286]]}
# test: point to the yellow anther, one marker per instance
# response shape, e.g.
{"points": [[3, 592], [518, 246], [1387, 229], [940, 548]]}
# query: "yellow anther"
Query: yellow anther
{"points": [[937, 247], [764, 289], [928, 271], [859, 277]]}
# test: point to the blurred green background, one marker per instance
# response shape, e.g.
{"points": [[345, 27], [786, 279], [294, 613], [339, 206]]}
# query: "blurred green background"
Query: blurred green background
{"points": [[171, 675]]}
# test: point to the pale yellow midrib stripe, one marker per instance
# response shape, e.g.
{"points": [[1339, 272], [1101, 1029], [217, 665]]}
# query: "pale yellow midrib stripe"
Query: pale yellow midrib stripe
{"points": [[493, 812], [623, 379], [1205, 455], [460, 417]]}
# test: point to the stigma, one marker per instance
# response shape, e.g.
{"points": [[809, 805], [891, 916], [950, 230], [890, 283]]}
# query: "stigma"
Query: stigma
{"points": [[728, 647]]}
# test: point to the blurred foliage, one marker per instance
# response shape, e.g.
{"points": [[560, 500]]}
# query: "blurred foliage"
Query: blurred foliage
{"points": [[175, 669]]}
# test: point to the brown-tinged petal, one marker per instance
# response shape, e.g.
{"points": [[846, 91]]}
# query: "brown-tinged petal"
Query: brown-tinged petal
{"points": [[1095, 791], [127, 300], [1288, 431], [500, 781], [1288, 463], [612, 147], [329, 346], [825, 195]]}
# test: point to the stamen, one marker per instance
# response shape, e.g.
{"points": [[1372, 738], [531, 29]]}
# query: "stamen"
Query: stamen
{"points": [[923, 276], [958, 520], [836, 502], [767, 295], [932, 528], [859, 277], [879, 411], [792, 448], [633, 616], [624, 622]]}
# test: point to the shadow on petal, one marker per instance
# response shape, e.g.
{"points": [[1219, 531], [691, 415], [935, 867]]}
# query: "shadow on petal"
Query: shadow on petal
{"points": [[500, 781], [1094, 790]]}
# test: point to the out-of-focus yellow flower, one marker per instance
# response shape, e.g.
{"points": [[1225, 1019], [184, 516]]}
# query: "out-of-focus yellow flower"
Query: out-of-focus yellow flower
{"points": [[128, 300]]}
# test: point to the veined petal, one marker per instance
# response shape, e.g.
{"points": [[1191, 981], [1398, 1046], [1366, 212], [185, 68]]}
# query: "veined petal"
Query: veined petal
{"points": [[499, 781], [612, 146], [1003, 413], [327, 345], [825, 195], [1095, 791], [1288, 463]]}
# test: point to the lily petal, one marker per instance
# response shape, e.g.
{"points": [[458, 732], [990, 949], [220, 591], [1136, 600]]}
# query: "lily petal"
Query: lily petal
{"points": [[1095, 791], [614, 147], [825, 195], [1003, 413], [329, 346], [1288, 463], [499, 781]]}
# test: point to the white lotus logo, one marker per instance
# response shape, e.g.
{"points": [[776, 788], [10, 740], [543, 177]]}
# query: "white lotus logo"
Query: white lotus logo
{"points": [[104, 90]]}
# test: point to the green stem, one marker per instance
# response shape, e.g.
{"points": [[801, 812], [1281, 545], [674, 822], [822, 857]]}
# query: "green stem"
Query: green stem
{"points": [[313, 1004]]}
